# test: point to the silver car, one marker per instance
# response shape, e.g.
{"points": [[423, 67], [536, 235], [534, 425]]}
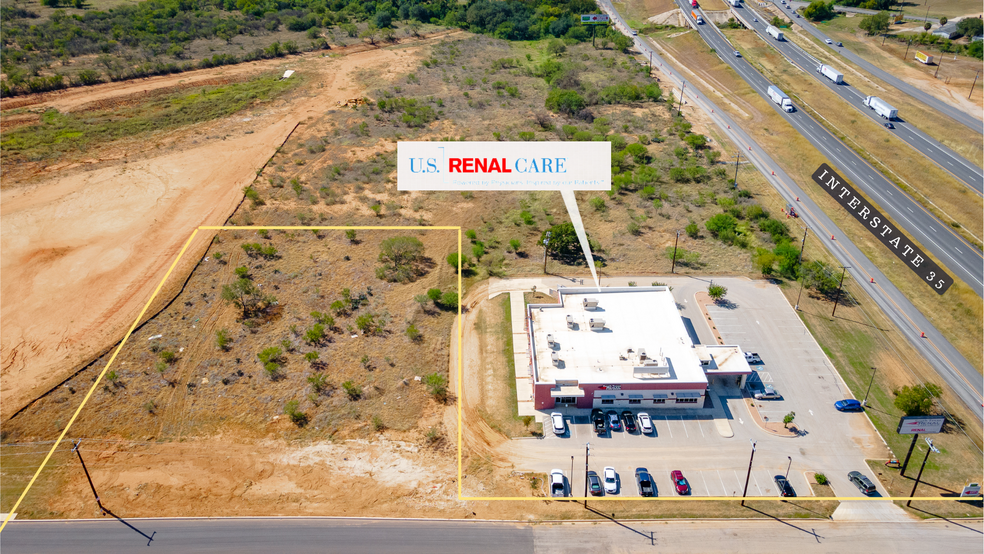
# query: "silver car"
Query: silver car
{"points": [[557, 487], [559, 427]]}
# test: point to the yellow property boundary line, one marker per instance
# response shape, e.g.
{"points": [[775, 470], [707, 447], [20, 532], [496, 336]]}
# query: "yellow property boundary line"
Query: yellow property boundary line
{"points": [[184, 248]]}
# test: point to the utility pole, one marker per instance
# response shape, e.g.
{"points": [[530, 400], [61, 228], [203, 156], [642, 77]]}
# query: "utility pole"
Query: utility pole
{"points": [[680, 105], [939, 64], [86, 470], [749, 474], [673, 266], [799, 261], [838, 297], [650, 63], [919, 475], [587, 451], [974, 83], [864, 403], [737, 159], [546, 241], [906, 55]]}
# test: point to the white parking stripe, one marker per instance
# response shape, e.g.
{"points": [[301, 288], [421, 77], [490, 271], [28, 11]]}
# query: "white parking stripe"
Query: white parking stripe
{"points": [[723, 486], [668, 426], [684, 426], [706, 488]]}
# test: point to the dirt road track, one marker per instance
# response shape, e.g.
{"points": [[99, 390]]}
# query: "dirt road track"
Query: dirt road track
{"points": [[82, 251]]}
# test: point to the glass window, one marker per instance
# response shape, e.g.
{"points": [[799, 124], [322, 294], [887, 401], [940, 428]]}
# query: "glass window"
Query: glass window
{"points": [[635, 401], [607, 401], [659, 401]]}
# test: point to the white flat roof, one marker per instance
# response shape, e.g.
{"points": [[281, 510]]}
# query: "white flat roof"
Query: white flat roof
{"points": [[636, 319]]}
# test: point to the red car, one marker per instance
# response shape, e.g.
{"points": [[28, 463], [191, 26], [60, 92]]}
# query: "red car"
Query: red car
{"points": [[680, 482]]}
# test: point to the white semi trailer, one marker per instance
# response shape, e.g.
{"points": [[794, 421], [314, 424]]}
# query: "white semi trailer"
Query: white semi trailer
{"points": [[881, 107], [831, 73], [780, 98], [776, 33]]}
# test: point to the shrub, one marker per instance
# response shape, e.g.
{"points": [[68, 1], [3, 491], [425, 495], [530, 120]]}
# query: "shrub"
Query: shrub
{"points": [[413, 333], [449, 299], [820, 478], [693, 231], [402, 258], [168, 357], [311, 357], [353, 391], [917, 400], [568, 131], [717, 292], [318, 381], [721, 223], [598, 203], [515, 244], [437, 385], [434, 294], [315, 334], [565, 101], [633, 228], [478, 250], [369, 323], [222, 339], [527, 135], [296, 416]]}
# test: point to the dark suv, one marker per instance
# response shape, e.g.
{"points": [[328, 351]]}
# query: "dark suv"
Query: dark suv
{"points": [[785, 489], [862, 483], [629, 421]]}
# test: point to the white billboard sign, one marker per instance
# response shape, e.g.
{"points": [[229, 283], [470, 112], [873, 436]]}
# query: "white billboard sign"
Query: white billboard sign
{"points": [[499, 166], [973, 489], [594, 18], [919, 425]]}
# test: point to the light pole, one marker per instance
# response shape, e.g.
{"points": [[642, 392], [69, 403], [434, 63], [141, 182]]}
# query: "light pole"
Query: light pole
{"points": [[572, 475], [680, 105], [737, 159], [789, 466], [799, 261], [749, 474], [838, 297], [864, 403], [673, 265], [587, 451], [916, 484], [546, 241]]}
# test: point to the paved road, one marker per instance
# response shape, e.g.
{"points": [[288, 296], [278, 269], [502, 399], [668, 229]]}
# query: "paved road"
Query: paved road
{"points": [[922, 143], [957, 114], [962, 259], [245, 536], [952, 367]]}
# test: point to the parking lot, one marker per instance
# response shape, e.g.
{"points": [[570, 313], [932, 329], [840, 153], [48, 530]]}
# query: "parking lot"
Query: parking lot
{"points": [[712, 446]]}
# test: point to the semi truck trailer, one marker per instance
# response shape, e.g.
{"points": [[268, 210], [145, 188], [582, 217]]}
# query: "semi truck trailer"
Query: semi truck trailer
{"points": [[697, 17], [831, 73], [780, 98], [881, 107], [924, 58], [776, 33]]}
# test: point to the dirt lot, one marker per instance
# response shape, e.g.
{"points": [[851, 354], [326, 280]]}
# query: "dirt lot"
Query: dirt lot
{"points": [[69, 232]]}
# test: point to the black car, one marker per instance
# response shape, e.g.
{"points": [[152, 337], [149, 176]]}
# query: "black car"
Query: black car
{"points": [[785, 489], [598, 420], [645, 482], [889, 126], [594, 484], [629, 420]]}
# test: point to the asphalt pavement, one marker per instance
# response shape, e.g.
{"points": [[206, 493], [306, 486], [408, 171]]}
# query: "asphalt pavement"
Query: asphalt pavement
{"points": [[957, 114], [952, 367], [264, 535], [961, 258], [947, 159]]}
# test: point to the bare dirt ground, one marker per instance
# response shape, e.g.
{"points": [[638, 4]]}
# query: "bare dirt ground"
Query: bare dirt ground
{"points": [[107, 231]]}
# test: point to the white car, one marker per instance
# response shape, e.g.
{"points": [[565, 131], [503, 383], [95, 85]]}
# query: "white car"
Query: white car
{"points": [[559, 426], [557, 483], [645, 423], [828, 41], [611, 480]]}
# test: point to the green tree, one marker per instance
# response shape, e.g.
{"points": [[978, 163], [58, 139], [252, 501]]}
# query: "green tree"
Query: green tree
{"points": [[787, 419], [696, 141], [449, 300], [315, 334], [563, 242], [434, 295], [565, 101], [621, 42], [371, 32], [717, 292], [721, 223], [818, 10], [875, 24], [515, 244], [350, 235], [917, 400], [402, 258], [453, 259], [693, 231], [437, 385], [970, 27], [556, 47]]}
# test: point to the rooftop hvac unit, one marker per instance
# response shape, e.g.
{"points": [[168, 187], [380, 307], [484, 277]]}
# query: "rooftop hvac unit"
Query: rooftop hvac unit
{"points": [[642, 353], [596, 323], [554, 358], [590, 302], [550, 341], [570, 322]]}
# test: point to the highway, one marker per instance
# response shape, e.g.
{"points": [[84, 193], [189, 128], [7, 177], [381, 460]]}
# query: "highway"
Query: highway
{"points": [[955, 113], [389, 536], [947, 159], [952, 367], [963, 259]]}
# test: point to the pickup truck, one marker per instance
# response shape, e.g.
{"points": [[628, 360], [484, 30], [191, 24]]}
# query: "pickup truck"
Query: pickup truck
{"points": [[598, 420], [753, 358]]}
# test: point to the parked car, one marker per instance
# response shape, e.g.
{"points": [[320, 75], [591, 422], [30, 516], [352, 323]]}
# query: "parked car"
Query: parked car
{"points": [[862, 483], [848, 405], [557, 483], [646, 423], [611, 480], [613, 422], [737, 54], [753, 358], [629, 421], [680, 482], [644, 482], [598, 420], [785, 489], [889, 126], [594, 484], [828, 41], [559, 426], [768, 394]]}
